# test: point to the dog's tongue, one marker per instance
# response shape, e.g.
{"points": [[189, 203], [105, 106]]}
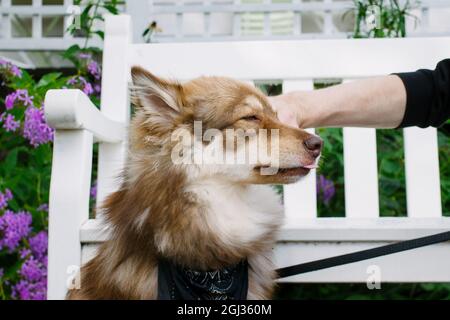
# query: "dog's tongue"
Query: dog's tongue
{"points": [[310, 166]]}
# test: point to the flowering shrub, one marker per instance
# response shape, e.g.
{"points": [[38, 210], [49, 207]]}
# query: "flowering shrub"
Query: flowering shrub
{"points": [[17, 239], [26, 152], [25, 161]]}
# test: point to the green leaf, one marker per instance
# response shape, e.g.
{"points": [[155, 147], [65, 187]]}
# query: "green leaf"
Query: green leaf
{"points": [[71, 51], [85, 13], [101, 34], [98, 17], [111, 8], [10, 160], [48, 79]]}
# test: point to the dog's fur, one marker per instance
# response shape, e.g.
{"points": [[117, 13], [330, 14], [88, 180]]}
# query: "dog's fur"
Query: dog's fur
{"points": [[201, 217]]}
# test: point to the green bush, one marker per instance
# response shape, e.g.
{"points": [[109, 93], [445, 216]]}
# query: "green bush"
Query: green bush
{"points": [[26, 155]]}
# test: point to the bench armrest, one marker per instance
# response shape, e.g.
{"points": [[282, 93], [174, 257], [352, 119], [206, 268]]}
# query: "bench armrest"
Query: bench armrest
{"points": [[71, 109], [77, 122]]}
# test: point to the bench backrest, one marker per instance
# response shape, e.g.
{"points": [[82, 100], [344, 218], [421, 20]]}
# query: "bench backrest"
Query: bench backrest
{"points": [[295, 64]]}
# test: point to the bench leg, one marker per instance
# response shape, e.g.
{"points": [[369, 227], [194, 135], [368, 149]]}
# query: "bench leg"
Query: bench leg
{"points": [[68, 206]]}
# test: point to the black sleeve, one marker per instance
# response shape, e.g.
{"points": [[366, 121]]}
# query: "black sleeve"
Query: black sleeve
{"points": [[427, 96]]}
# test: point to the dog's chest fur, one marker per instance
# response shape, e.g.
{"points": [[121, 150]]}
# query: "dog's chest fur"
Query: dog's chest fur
{"points": [[239, 215], [236, 224], [244, 218]]}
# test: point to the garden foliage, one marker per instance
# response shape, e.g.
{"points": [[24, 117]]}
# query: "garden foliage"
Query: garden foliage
{"points": [[26, 155]]}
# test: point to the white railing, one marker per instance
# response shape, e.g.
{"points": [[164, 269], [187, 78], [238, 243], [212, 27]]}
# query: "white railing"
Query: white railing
{"points": [[37, 26], [260, 19], [41, 27]]}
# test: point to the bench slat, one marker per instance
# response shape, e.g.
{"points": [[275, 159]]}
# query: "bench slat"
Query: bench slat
{"points": [[405, 266], [423, 192], [324, 229], [114, 101], [360, 173], [290, 60], [300, 199], [418, 265]]}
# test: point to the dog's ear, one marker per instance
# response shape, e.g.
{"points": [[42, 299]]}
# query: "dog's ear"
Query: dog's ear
{"points": [[154, 95]]}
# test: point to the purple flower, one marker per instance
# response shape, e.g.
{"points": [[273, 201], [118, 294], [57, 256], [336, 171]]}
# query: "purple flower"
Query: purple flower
{"points": [[35, 128], [3, 201], [94, 190], [84, 55], [4, 198], [39, 244], [94, 69], [326, 189], [72, 81], [9, 100], [10, 124], [31, 269], [8, 194], [13, 228], [15, 71], [22, 95], [87, 89], [25, 290], [2, 272], [33, 282], [81, 83], [8, 67], [43, 207], [24, 253]]}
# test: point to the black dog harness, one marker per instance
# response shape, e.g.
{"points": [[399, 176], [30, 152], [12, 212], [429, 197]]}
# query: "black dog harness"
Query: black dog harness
{"points": [[231, 283], [178, 283]]}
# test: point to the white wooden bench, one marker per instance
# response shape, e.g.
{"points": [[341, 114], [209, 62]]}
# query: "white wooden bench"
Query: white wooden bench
{"points": [[73, 237]]}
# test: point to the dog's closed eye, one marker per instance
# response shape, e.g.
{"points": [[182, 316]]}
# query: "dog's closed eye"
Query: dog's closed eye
{"points": [[250, 118]]}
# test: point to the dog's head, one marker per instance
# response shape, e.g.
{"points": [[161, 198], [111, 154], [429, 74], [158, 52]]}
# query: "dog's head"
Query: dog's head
{"points": [[217, 127]]}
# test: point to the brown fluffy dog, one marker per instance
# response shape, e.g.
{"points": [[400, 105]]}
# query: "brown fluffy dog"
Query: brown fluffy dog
{"points": [[204, 217]]}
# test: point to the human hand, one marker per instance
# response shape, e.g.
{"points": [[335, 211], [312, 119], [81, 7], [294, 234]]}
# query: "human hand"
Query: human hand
{"points": [[295, 108]]}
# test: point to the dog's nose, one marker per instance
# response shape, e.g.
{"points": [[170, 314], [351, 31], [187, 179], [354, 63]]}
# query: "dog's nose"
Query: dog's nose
{"points": [[314, 145]]}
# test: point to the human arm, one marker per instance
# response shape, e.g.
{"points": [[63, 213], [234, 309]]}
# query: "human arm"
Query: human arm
{"points": [[420, 98]]}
